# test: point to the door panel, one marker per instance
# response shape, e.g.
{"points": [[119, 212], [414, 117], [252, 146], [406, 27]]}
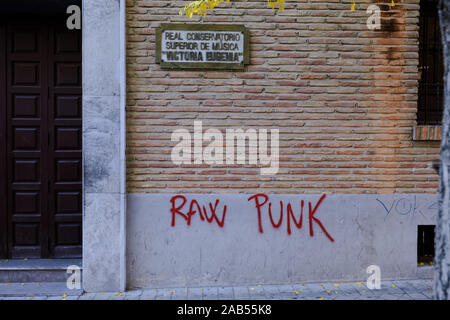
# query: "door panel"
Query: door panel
{"points": [[26, 139], [3, 179], [65, 141], [43, 139]]}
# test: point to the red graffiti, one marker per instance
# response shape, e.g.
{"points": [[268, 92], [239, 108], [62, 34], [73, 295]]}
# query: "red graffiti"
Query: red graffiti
{"points": [[194, 207], [261, 200], [178, 203]]}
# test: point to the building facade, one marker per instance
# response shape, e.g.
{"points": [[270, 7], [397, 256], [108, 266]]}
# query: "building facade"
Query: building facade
{"points": [[356, 110]]}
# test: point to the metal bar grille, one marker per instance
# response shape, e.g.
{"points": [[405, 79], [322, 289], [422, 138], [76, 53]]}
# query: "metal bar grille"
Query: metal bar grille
{"points": [[430, 101]]}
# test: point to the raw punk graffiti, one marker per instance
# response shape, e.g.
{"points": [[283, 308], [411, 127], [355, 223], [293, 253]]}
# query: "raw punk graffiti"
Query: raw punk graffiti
{"points": [[215, 212], [194, 207]]}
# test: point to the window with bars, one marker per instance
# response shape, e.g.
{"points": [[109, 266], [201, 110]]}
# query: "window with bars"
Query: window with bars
{"points": [[425, 244], [430, 100]]}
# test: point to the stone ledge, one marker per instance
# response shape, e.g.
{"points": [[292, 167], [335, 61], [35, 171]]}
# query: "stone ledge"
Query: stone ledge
{"points": [[39, 264], [36, 270], [427, 133]]}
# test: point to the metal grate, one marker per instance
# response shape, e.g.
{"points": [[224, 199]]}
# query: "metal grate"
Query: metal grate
{"points": [[430, 103], [425, 244]]}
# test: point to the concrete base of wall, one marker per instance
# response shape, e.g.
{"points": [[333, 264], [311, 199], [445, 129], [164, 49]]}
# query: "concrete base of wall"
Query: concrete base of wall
{"points": [[165, 248]]}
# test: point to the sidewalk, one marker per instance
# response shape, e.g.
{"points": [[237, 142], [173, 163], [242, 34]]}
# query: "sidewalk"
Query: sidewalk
{"points": [[390, 290]]}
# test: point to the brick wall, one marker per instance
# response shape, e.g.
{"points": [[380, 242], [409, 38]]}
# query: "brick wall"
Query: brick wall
{"points": [[342, 96]]}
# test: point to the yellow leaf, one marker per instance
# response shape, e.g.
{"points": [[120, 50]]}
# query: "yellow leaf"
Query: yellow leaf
{"points": [[64, 295], [353, 7]]}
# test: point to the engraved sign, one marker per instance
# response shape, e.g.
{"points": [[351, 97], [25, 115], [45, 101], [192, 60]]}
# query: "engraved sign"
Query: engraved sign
{"points": [[209, 46]]}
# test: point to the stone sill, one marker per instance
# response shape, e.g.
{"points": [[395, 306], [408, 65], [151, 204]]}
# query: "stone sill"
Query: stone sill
{"points": [[427, 133], [425, 272]]}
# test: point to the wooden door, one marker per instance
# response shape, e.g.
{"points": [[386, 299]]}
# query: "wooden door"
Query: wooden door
{"points": [[42, 138]]}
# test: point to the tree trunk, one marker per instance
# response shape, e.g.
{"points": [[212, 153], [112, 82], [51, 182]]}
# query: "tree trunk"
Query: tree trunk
{"points": [[442, 241]]}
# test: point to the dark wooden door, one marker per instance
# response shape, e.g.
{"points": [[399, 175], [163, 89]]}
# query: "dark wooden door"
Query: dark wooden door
{"points": [[42, 138]]}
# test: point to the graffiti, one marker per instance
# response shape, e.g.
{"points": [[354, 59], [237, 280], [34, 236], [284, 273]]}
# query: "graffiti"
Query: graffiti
{"points": [[406, 207], [261, 200], [194, 207], [181, 207]]}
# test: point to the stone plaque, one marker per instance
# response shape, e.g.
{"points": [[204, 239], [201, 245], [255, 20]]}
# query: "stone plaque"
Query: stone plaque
{"points": [[202, 46]]}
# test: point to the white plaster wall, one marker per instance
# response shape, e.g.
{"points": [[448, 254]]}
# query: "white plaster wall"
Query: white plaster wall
{"points": [[367, 229]]}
